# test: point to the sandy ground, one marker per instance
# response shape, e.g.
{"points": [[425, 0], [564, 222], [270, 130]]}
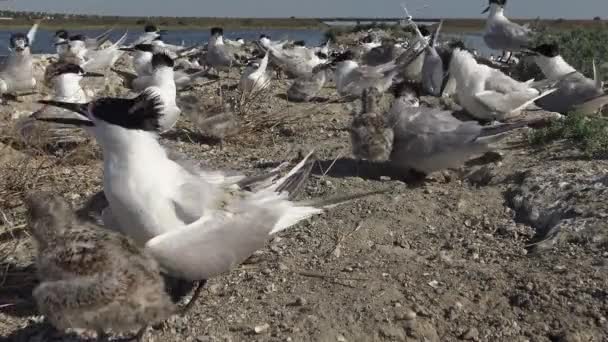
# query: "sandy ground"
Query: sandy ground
{"points": [[445, 260]]}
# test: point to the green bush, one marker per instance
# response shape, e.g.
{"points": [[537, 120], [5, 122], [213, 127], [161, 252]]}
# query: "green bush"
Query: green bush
{"points": [[578, 47], [589, 133]]}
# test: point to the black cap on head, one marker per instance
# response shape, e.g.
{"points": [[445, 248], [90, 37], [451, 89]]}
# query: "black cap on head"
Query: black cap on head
{"points": [[299, 43], [457, 44], [19, 40], [150, 28], [498, 2], [67, 68], [78, 37], [217, 31], [345, 56], [367, 39], [144, 47], [424, 30], [321, 55], [62, 34], [142, 112], [406, 87], [264, 36], [548, 50], [162, 60]]}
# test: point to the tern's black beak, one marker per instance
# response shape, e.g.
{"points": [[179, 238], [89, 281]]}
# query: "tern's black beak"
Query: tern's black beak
{"points": [[486, 10], [129, 49], [65, 42], [81, 119], [92, 74]]}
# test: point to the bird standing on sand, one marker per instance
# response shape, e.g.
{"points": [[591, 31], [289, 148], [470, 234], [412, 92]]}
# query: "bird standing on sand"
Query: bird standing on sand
{"points": [[17, 74], [503, 34], [90, 277]]}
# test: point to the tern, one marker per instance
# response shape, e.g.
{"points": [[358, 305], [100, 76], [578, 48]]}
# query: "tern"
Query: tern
{"points": [[575, 91], [17, 74], [503, 34], [65, 79], [487, 93], [196, 224]]}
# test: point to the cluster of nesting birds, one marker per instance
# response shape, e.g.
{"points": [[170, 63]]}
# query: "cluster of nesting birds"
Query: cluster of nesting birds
{"points": [[163, 216]]}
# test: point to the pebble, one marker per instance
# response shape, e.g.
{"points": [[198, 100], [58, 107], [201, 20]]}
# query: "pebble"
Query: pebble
{"points": [[472, 334], [341, 338], [301, 301], [259, 329]]}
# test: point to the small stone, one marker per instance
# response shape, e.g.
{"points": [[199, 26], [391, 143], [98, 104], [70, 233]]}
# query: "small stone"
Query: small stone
{"points": [[301, 301], [434, 283], [472, 334], [283, 267], [341, 338], [259, 329], [267, 271]]}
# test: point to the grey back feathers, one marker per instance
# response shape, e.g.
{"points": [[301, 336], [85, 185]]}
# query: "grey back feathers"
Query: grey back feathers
{"points": [[371, 137], [92, 278]]}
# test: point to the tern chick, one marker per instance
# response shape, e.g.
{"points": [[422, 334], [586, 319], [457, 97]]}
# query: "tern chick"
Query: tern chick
{"points": [[92, 278], [371, 137]]}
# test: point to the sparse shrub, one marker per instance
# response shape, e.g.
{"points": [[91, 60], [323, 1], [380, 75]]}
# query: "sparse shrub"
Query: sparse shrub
{"points": [[578, 47], [590, 133]]}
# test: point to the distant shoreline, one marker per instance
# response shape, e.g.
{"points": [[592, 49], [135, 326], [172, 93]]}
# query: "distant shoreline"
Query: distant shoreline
{"points": [[450, 25]]}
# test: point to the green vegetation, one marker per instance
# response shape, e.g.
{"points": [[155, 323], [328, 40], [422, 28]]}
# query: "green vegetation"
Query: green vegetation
{"points": [[589, 133], [578, 47]]}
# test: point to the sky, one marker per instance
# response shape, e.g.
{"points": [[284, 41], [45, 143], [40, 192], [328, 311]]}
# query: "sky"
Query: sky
{"points": [[583, 9]]}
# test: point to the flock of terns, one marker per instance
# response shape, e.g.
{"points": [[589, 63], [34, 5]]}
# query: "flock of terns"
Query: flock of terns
{"points": [[163, 216]]}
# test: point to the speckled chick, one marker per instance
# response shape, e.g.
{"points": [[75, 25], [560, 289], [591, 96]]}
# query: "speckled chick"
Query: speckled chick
{"points": [[371, 137], [92, 278]]}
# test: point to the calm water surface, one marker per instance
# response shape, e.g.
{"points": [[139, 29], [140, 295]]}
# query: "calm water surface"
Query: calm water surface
{"points": [[43, 42]]}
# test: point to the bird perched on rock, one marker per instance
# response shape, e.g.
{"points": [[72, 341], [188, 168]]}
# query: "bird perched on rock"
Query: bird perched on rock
{"points": [[92, 278]]}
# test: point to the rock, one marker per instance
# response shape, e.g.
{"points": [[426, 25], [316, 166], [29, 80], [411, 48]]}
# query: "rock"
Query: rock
{"points": [[481, 176], [300, 301], [341, 338], [9, 155], [472, 334], [392, 332], [405, 315]]}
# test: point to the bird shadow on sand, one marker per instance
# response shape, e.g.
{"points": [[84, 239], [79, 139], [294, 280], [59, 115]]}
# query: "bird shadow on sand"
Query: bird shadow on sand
{"points": [[316, 99], [348, 167], [16, 286]]}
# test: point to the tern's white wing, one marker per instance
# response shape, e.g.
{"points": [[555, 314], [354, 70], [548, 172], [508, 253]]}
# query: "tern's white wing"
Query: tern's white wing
{"points": [[503, 105], [31, 34], [210, 247]]}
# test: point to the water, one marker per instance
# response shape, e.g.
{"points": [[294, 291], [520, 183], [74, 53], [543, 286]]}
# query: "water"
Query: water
{"points": [[44, 38]]}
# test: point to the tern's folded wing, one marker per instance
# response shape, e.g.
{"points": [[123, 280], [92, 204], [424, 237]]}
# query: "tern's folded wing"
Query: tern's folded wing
{"points": [[502, 104], [208, 248]]}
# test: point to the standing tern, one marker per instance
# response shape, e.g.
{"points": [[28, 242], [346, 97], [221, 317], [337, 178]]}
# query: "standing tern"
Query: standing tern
{"points": [[427, 140], [306, 88], [17, 74], [575, 91], [487, 93], [433, 69], [255, 77], [65, 79], [501, 33], [196, 224], [151, 32], [352, 78], [90, 277], [218, 55]]}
